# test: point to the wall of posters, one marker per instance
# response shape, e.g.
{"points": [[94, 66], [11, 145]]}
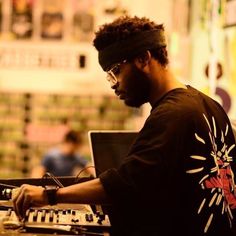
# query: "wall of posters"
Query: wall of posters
{"points": [[71, 20], [53, 39]]}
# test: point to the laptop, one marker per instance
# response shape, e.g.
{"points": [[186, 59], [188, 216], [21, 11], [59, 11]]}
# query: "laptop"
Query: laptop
{"points": [[109, 147]]}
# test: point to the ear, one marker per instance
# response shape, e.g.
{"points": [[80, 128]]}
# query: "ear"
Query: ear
{"points": [[143, 60]]}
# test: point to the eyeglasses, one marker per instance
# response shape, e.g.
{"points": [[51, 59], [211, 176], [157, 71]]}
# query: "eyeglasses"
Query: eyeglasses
{"points": [[115, 70]]}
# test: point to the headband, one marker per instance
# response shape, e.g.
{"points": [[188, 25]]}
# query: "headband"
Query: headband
{"points": [[131, 47]]}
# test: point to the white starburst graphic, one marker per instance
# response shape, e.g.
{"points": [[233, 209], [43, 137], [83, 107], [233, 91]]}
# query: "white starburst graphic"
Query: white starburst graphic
{"points": [[219, 178]]}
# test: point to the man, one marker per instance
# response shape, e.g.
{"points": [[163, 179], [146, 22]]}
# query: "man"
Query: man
{"points": [[64, 160], [178, 176]]}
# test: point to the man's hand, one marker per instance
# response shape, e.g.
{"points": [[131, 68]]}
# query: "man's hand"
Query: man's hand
{"points": [[27, 196]]}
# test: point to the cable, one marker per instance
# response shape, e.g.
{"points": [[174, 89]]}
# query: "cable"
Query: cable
{"points": [[48, 174], [85, 168]]}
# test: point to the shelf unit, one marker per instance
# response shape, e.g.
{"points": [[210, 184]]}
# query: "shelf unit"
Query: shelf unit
{"points": [[31, 123]]}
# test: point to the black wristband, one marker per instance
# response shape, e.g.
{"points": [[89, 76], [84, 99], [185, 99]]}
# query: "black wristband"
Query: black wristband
{"points": [[51, 192]]}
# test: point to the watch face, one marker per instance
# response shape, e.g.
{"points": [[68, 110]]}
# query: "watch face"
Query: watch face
{"points": [[51, 187]]}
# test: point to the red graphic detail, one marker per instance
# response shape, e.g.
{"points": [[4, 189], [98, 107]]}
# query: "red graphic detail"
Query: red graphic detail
{"points": [[224, 180]]}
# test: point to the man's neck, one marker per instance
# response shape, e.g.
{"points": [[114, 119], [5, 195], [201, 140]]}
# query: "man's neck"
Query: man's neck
{"points": [[162, 84]]}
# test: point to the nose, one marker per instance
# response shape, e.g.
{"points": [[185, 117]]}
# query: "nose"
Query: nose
{"points": [[114, 86]]}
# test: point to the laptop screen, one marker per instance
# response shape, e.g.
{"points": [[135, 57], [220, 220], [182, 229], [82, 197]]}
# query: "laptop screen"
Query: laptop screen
{"points": [[109, 148]]}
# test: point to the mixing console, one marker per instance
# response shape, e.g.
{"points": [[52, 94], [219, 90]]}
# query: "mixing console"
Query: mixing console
{"points": [[52, 219]]}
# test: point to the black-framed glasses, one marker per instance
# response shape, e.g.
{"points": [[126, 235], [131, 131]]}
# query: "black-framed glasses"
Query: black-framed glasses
{"points": [[115, 70]]}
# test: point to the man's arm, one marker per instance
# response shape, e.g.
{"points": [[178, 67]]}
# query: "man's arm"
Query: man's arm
{"points": [[90, 192]]}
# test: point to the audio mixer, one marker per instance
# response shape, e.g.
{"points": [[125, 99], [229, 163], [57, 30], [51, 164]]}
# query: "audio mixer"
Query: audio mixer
{"points": [[66, 219], [56, 220]]}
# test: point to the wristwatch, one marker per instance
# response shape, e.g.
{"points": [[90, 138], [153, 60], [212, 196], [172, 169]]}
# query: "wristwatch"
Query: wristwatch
{"points": [[51, 192]]}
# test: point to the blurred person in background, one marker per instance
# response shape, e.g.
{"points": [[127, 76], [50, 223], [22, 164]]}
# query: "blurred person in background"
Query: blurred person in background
{"points": [[65, 159]]}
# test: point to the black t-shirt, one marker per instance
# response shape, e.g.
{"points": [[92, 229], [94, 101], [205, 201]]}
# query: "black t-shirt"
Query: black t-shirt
{"points": [[177, 178]]}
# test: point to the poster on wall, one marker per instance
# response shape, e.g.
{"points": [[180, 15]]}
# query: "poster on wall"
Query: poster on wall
{"points": [[83, 19], [22, 18], [52, 19]]}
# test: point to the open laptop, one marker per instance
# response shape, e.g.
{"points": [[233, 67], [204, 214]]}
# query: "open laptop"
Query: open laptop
{"points": [[109, 147]]}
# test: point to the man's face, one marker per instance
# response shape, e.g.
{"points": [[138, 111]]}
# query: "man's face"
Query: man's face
{"points": [[71, 148], [133, 86]]}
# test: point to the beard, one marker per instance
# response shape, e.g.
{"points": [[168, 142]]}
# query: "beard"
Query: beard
{"points": [[138, 88]]}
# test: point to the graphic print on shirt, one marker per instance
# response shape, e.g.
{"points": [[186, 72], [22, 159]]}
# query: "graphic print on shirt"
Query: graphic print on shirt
{"points": [[220, 178]]}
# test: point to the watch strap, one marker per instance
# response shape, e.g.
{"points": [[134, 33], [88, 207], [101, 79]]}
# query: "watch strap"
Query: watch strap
{"points": [[51, 193]]}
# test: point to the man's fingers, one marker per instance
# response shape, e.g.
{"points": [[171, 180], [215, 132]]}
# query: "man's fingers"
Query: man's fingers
{"points": [[15, 192], [18, 200], [25, 205], [26, 196], [21, 201]]}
